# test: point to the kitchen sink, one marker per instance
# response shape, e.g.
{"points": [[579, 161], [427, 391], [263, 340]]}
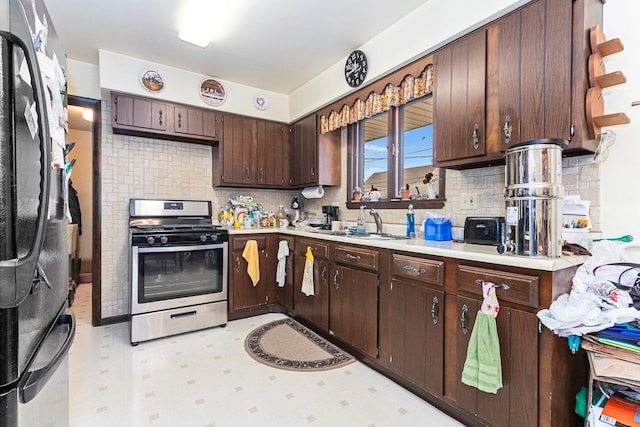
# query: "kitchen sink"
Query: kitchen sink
{"points": [[362, 236]]}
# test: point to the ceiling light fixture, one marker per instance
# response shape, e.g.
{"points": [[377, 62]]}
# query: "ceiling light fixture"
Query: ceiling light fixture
{"points": [[87, 114], [210, 20], [198, 26]]}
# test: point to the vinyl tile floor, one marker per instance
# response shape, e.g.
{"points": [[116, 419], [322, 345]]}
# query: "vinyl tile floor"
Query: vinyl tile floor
{"points": [[206, 379]]}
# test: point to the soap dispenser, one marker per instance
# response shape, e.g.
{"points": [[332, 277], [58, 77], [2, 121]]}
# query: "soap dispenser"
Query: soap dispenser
{"points": [[411, 222], [362, 221]]}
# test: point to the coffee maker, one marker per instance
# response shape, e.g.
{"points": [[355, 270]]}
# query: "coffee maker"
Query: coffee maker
{"points": [[332, 215]]}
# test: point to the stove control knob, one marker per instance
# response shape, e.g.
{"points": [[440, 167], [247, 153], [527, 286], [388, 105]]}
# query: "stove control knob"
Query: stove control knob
{"points": [[150, 240], [164, 240], [214, 237], [203, 237]]}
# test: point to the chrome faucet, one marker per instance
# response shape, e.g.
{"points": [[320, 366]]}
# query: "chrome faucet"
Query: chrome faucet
{"points": [[376, 217]]}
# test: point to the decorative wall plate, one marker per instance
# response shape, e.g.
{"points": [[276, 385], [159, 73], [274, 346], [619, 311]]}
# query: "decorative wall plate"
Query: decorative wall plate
{"points": [[152, 81], [260, 101], [212, 92]]}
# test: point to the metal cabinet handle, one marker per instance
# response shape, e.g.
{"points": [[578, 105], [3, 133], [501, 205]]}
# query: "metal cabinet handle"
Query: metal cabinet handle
{"points": [[476, 144], [335, 279], [412, 269], [313, 171], [261, 174], [323, 275], [352, 257], [507, 129], [502, 286], [180, 120], [247, 172], [434, 309], [463, 319], [160, 117], [238, 265]]}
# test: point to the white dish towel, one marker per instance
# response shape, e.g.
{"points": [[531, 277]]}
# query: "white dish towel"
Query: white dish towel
{"points": [[307, 277], [281, 269]]}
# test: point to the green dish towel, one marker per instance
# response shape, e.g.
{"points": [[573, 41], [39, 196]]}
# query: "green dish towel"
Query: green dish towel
{"points": [[482, 368]]}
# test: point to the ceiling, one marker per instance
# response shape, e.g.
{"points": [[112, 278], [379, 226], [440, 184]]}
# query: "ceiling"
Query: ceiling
{"points": [[275, 45]]}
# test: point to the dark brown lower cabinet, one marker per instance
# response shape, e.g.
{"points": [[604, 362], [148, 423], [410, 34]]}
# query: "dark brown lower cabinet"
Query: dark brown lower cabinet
{"points": [[315, 308], [243, 294], [416, 334], [353, 308], [516, 402]]}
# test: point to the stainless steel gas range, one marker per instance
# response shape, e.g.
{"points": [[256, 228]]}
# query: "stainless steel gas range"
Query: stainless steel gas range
{"points": [[178, 268]]}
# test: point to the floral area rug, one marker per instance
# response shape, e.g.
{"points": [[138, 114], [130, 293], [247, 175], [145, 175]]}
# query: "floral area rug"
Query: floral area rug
{"points": [[286, 344]]}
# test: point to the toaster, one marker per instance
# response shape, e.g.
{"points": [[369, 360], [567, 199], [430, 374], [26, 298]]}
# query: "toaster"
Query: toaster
{"points": [[483, 230]]}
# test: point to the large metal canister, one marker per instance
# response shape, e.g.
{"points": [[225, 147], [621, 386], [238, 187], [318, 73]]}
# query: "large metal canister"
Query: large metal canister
{"points": [[533, 197]]}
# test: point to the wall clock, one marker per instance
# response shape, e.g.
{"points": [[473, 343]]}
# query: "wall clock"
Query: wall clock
{"points": [[355, 69]]}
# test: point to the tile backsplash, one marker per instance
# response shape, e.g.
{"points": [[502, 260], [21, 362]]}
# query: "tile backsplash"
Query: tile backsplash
{"points": [[136, 167]]}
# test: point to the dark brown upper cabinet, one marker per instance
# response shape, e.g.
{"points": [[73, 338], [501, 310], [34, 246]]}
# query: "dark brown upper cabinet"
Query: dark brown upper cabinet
{"points": [[316, 158], [531, 66], [252, 153], [140, 116]]}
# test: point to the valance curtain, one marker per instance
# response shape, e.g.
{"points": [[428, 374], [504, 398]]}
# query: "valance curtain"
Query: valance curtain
{"points": [[410, 88]]}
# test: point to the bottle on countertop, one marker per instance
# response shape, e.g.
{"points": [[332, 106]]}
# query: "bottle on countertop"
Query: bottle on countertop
{"points": [[361, 221], [281, 217], [411, 222]]}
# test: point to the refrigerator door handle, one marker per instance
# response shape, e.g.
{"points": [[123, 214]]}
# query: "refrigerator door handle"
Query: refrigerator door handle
{"points": [[22, 269], [34, 381]]}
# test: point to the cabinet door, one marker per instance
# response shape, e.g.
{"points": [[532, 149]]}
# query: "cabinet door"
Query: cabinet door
{"points": [[244, 293], [417, 334], [528, 80], [459, 105], [122, 110], [188, 121], [315, 308], [272, 154], [353, 308], [514, 403], [149, 114], [212, 123], [236, 151], [305, 151]]}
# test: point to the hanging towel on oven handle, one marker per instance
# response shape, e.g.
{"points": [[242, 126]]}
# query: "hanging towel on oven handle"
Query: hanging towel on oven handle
{"points": [[250, 253]]}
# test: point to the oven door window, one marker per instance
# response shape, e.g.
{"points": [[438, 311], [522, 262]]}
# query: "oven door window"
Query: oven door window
{"points": [[166, 273]]}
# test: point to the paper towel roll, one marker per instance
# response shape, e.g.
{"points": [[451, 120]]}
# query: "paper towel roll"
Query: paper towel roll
{"points": [[313, 192]]}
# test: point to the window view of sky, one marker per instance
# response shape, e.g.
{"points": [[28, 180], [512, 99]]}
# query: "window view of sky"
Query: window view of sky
{"points": [[418, 151]]}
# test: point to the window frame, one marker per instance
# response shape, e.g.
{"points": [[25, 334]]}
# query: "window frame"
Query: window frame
{"points": [[395, 156]]}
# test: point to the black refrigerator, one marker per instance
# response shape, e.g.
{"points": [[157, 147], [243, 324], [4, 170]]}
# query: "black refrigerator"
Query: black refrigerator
{"points": [[36, 325]]}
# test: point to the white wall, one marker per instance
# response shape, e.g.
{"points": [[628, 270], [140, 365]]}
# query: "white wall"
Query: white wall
{"points": [[83, 79], [621, 171], [122, 73], [429, 26]]}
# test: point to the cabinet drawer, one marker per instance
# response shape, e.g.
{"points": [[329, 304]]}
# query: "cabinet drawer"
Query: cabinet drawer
{"points": [[357, 257], [238, 243], [318, 248], [418, 269], [523, 289]]}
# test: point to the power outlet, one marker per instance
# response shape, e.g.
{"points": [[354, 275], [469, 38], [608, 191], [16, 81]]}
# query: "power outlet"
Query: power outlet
{"points": [[469, 201]]}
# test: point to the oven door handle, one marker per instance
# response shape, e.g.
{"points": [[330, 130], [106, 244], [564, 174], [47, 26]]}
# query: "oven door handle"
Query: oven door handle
{"points": [[144, 250]]}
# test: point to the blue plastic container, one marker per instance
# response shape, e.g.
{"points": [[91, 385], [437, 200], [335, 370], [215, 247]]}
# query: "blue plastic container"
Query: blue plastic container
{"points": [[437, 229]]}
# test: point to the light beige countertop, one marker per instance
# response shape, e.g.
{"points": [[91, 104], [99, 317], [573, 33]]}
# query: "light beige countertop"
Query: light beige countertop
{"points": [[451, 249]]}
